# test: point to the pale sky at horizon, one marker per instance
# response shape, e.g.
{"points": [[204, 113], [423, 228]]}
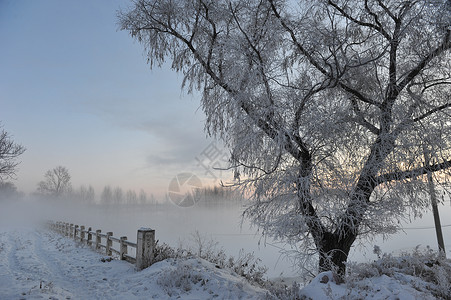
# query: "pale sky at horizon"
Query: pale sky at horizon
{"points": [[77, 92]]}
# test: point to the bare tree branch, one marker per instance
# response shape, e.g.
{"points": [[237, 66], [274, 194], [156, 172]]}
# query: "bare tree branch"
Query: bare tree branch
{"points": [[9, 152], [409, 174], [378, 28]]}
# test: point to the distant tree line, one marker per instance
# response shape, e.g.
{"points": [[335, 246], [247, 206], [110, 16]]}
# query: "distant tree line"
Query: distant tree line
{"points": [[116, 196], [217, 196], [57, 185]]}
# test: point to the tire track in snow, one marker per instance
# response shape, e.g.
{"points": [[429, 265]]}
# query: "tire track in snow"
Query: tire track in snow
{"points": [[14, 269], [70, 273], [46, 265], [6, 276], [23, 267]]}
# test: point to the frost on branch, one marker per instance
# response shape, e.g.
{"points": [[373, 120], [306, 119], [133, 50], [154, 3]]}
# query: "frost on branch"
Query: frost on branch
{"points": [[328, 107]]}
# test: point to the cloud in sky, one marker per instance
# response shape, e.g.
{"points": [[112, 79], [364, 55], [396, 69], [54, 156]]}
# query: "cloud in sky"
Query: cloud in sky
{"points": [[76, 92]]}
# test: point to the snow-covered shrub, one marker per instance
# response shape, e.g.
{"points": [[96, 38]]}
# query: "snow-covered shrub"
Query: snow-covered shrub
{"points": [[248, 266], [245, 265], [180, 279], [164, 251], [425, 270], [203, 246], [281, 291], [442, 277]]}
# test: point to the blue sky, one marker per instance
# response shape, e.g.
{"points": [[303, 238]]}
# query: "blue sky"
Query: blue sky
{"points": [[77, 92]]}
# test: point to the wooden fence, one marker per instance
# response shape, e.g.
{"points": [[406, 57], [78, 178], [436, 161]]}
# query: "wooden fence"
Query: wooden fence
{"points": [[144, 245]]}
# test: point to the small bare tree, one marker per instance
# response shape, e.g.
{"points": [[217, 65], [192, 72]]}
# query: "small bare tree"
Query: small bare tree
{"points": [[56, 182], [326, 105], [9, 152]]}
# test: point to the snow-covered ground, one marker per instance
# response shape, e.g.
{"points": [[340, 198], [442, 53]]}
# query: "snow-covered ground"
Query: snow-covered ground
{"points": [[40, 264], [37, 264]]}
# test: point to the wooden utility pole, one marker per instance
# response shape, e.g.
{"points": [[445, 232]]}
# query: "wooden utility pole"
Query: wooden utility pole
{"points": [[438, 226]]}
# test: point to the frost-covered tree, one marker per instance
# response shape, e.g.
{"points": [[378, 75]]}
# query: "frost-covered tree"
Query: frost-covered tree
{"points": [[107, 195], [142, 198], [327, 106], [9, 151], [86, 194], [56, 183], [118, 196], [131, 197]]}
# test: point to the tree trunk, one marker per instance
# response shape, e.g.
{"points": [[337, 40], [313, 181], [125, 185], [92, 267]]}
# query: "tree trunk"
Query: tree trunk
{"points": [[334, 251], [334, 247]]}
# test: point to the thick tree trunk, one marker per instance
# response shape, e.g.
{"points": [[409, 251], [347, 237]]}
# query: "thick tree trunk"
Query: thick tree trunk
{"points": [[334, 247], [334, 251]]}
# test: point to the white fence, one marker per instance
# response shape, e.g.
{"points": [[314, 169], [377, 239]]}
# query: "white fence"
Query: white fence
{"points": [[144, 245]]}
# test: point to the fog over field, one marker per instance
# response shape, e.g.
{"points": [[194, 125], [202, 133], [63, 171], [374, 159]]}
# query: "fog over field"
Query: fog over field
{"points": [[220, 225]]}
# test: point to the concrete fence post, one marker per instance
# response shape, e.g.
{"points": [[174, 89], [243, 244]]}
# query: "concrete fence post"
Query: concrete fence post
{"points": [[123, 247], [82, 233], [98, 238], [144, 248], [89, 239], [109, 243], [75, 232]]}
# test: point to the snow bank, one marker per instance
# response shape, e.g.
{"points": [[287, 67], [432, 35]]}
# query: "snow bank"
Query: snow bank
{"points": [[422, 274], [380, 287]]}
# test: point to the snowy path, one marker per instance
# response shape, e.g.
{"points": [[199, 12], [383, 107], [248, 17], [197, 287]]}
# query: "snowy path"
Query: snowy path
{"points": [[35, 265], [44, 265]]}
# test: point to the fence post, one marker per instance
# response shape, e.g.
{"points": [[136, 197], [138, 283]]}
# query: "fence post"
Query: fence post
{"points": [[109, 243], [75, 232], [66, 229], [89, 240], [82, 233], [71, 229], [98, 238], [123, 248], [144, 248]]}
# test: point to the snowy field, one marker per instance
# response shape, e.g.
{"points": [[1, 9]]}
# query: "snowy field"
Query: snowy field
{"points": [[38, 264]]}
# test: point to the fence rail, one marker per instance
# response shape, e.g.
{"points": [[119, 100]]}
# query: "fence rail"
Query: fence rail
{"points": [[144, 245]]}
